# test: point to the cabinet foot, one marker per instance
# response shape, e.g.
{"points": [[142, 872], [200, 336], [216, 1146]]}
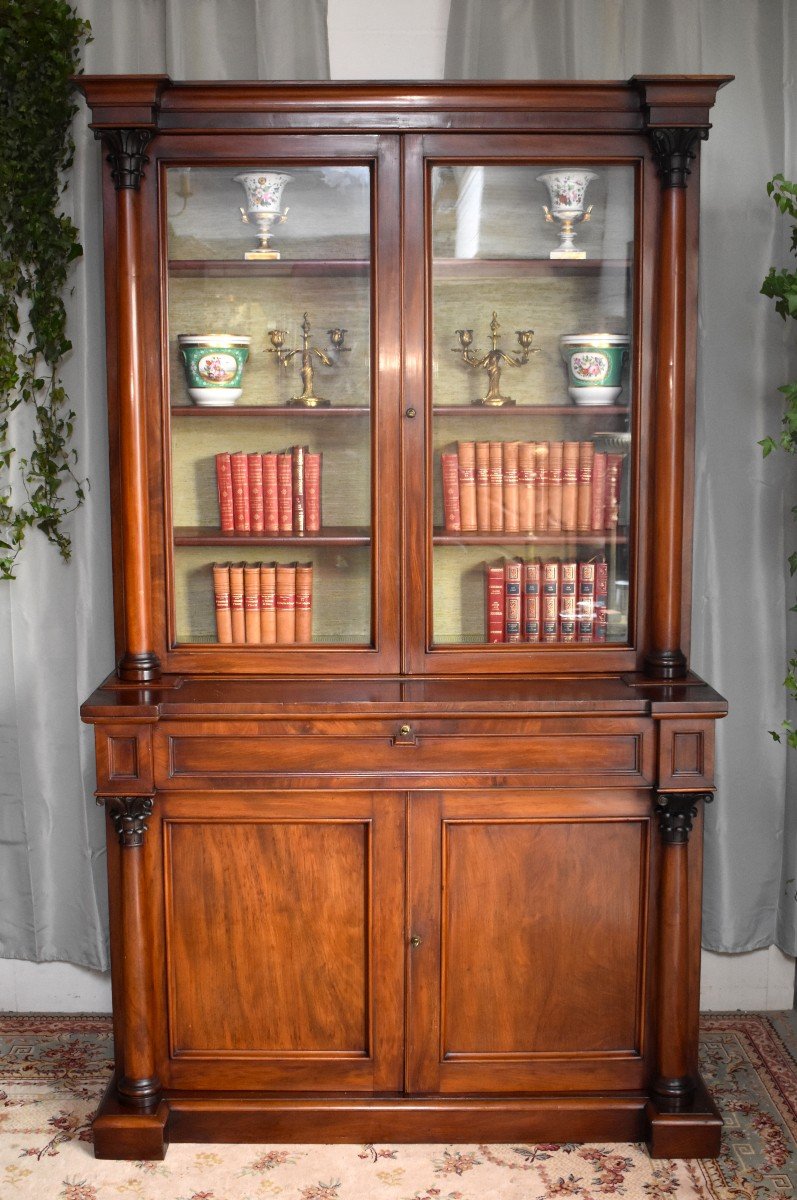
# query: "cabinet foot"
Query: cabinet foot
{"points": [[684, 1130], [129, 1133]]}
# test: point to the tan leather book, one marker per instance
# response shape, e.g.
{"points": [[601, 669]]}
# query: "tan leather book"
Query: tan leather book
{"points": [[466, 454], [286, 603], [268, 603], [285, 491], [449, 471], [496, 486], [570, 487], [586, 453], [221, 599], [237, 602], [527, 476], [598, 491], [541, 489], [511, 498], [252, 602], [312, 492], [555, 497], [483, 487], [304, 602]]}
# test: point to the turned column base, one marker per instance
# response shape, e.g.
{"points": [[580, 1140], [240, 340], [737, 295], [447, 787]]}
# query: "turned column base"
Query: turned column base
{"points": [[139, 668], [139, 1093], [666, 664]]}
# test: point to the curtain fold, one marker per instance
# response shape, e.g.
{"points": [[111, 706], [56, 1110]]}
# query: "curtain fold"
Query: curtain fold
{"points": [[743, 528], [56, 620]]}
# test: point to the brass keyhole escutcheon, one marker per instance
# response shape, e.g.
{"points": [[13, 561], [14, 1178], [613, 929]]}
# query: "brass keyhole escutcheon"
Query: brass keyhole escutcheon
{"points": [[410, 413], [415, 941]]}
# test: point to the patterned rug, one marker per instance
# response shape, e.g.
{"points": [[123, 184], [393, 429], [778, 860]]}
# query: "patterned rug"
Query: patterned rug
{"points": [[53, 1071]]}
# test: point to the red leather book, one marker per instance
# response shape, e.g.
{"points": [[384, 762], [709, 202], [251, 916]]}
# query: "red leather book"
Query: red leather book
{"points": [[527, 476], [550, 601], [496, 486], [511, 498], [254, 463], [570, 486], [312, 492], [555, 486], [568, 575], [496, 600], [585, 609], [532, 601], [286, 603], [513, 571], [466, 456], [271, 522], [598, 492], [224, 489], [483, 487], [586, 454], [237, 602], [450, 476], [240, 492], [541, 490], [221, 600], [285, 491], [252, 601], [601, 599], [268, 607], [297, 488], [304, 602]]}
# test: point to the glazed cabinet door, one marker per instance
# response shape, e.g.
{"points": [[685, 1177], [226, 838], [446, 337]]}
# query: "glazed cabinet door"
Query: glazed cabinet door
{"points": [[278, 422], [528, 915], [283, 941], [529, 290]]}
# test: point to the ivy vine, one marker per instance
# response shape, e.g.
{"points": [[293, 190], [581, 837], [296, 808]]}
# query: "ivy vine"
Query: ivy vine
{"points": [[40, 47], [781, 286]]}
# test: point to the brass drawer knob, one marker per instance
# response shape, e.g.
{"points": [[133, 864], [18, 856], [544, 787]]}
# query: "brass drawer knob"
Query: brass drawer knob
{"points": [[405, 731], [415, 940]]}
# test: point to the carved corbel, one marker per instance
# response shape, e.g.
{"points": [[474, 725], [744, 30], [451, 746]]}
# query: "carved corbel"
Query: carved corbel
{"points": [[129, 816], [675, 811], [126, 154], [673, 151]]}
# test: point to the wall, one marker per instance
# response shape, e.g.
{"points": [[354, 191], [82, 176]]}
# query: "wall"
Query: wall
{"points": [[382, 39]]}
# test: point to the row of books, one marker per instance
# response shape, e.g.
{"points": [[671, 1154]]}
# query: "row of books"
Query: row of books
{"points": [[263, 603], [530, 487], [551, 601], [275, 492]]}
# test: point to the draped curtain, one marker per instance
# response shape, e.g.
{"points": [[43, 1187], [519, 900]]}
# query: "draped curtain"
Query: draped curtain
{"points": [[56, 627], [743, 527]]}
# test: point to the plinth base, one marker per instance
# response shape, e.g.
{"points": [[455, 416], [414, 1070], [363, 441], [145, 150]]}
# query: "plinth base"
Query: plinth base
{"points": [[127, 1133], [575, 254], [261, 255]]}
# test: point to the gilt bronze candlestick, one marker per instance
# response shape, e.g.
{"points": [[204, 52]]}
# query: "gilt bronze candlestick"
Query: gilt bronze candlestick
{"points": [[494, 360], [308, 398]]}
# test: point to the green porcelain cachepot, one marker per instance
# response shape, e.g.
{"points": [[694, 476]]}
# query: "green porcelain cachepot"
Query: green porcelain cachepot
{"points": [[214, 364], [594, 366]]}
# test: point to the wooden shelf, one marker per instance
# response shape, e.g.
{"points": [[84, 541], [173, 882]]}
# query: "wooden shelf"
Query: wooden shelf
{"points": [[273, 410], [441, 538], [539, 410], [238, 268], [333, 535], [456, 268]]}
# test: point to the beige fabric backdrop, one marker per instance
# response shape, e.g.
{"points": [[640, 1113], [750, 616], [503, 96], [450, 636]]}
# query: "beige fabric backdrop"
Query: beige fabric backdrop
{"points": [[743, 529]]}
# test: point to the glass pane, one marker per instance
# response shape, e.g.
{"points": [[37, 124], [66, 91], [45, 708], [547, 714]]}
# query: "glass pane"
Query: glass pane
{"points": [[532, 273], [269, 302]]}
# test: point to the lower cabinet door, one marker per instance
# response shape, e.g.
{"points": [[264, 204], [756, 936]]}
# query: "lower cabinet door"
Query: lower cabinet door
{"points": [[283, 920], [529, 947]]}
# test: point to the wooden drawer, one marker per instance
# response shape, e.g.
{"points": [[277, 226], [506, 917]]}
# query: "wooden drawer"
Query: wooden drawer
{"points": [[406, 753]]}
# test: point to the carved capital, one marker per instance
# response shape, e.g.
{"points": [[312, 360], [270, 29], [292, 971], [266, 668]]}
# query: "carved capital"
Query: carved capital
{"points": [[673, 150], [675, 811], [126, 154], [129, 815]]}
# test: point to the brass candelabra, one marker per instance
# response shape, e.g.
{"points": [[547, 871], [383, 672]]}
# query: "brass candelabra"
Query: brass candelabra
{"points": [[495, 360], [308, 398]]}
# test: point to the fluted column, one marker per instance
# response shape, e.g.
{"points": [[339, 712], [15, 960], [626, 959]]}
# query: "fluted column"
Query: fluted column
{"points": [[139, 1084], [127, 156]]}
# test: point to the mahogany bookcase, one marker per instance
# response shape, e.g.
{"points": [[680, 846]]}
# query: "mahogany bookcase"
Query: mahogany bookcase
{"points": [[432, 874]]}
